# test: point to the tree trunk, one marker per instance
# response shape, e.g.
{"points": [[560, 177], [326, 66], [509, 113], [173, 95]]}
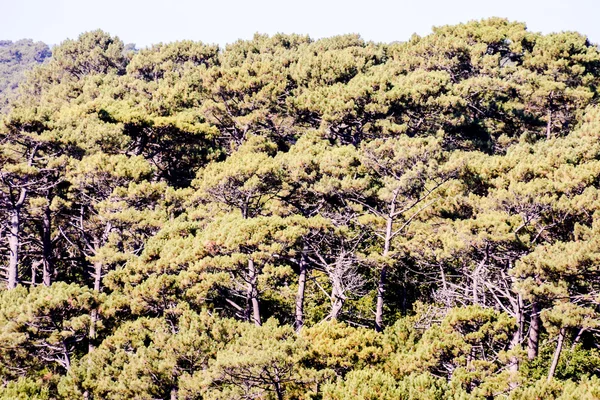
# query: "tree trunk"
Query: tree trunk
{"points": [[476, 280], [383, 274], [380, 293], [47, 263], [278, 390], [66, 361], [549, 125], [94, 313], [300, 295], [513, 365], [13, 244], [521, 317], [534, 331], [577, 338], [518, 336], [253, 310], [559, 345], [337, 296], [34, 273]]}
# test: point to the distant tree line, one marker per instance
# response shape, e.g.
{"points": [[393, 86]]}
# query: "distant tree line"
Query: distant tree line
{"points": [[15, 59]]}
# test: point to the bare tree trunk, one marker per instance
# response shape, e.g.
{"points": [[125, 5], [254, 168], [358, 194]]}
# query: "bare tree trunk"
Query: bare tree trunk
{"points": [[380, 300], [300, 295], [337, 303], [34, 273], [534, 331], [404, 295], [577, 338], [559, 345], [518, 335], [337, 296], [549, 125], [13, 244], [252, 294], [337, 290], [47, 263], [13, 233], [383, 273], [94, 313], [521, 317], [476, 280]]}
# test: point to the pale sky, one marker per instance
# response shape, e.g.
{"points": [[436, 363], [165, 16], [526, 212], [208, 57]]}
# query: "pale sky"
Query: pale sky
{"points": [[145, 22]]}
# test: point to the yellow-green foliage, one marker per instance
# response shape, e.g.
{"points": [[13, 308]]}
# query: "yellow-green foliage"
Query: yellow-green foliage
{"points": [[289, 218]]}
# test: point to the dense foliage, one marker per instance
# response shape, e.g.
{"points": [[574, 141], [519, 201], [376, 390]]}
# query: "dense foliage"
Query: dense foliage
{"points": [[16, 58], [296, 219]]}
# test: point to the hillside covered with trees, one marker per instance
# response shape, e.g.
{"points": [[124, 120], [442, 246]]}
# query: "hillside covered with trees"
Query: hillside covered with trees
{"points": [[289, 218], [16, 58]]}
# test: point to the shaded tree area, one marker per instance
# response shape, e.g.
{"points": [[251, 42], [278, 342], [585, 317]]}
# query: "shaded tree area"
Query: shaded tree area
{"points": [[289, 218]]}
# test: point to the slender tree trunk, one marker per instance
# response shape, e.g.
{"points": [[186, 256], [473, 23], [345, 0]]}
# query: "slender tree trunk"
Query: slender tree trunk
{"points": [[404, 295], [521, 317], [574, 344], [97, 276], [549, 125], [518, 335], [13, 244], [380, 300], [300, 295], [94, 318], [476, 280], [253, 309], [577, 338], [94, 313], [534, 331], [383, 273], [47, 263], [34, 273], [559, 345]]}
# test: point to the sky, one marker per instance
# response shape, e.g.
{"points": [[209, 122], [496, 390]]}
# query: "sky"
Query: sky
{"points": [[145, 22]]}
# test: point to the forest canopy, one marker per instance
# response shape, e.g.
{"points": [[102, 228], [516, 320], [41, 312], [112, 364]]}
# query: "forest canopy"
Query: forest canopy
{"points": [[16, 58], [289, 218]]}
